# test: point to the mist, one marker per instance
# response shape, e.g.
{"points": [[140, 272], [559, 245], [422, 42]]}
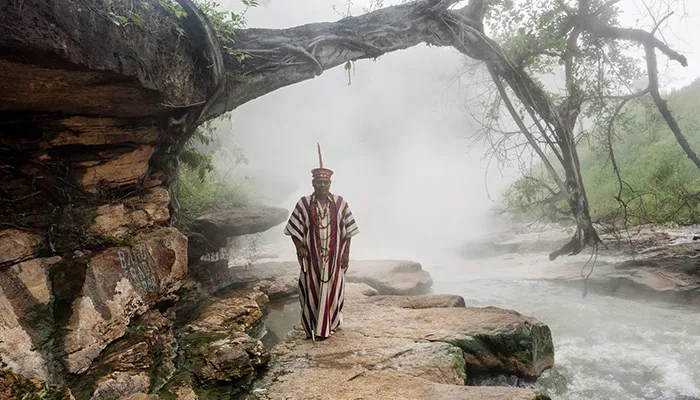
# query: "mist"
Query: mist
{"points": [[398, 141]]}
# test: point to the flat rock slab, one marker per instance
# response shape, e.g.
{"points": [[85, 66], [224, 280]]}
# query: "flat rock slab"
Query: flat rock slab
{"points": [[387, 348], [493, 340], [352, 384], [240, 221], [670, 274]]}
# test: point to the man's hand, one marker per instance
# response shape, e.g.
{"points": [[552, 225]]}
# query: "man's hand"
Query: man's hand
{"points": [[302, 254], [345, 260]]}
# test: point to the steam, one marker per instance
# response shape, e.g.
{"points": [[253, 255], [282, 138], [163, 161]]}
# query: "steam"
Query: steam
{"points": [[398, 141]]}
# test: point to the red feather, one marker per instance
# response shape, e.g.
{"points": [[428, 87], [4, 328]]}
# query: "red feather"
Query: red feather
{"points": [[320, 158]]}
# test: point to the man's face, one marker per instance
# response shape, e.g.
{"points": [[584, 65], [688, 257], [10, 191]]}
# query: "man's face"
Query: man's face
{"points": [[322, 186]]}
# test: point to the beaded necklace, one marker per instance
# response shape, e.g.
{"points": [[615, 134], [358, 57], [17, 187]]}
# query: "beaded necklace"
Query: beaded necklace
{"points": [[323, 242]]}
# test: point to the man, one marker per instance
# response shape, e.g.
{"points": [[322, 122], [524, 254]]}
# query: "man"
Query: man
{"points": [[321, 226]]}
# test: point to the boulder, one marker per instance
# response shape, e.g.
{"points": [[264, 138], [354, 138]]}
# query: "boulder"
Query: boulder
{"points": [[668, 273], [210, 232], [321, 384], [240, 221], [218, 343], [391, 276], [494, 341], [119, 385], [142, 360], [386, 346], [239, 311], [230, 356], [119, 284]]}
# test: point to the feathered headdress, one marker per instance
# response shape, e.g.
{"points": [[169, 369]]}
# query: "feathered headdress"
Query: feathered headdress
{"points": [[321, 172]]}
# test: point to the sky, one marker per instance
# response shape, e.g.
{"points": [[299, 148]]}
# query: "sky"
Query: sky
{"points": [[397, 137], [680, 31]]}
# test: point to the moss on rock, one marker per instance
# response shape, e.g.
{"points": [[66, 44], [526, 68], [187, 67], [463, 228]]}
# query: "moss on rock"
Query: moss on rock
{"points": [[525, 351]]}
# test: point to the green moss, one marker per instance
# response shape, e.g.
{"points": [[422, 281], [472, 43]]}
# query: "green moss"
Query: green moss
{"points": [[158, 375], [214, 392], [527, 344], [455, 356]]}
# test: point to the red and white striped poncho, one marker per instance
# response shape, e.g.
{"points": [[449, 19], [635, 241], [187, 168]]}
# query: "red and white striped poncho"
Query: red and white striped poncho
{"points": [[322, 284]]}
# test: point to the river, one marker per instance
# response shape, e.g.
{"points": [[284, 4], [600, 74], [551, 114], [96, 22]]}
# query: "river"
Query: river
{"points": [[605, 347]]}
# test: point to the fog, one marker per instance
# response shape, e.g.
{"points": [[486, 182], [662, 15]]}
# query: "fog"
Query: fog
{"points": [[398, 137]]}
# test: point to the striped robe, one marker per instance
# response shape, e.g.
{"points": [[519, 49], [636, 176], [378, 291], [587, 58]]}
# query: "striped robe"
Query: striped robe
{"points": [[322, 285]]}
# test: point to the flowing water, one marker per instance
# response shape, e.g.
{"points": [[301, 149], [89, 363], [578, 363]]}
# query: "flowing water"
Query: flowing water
{"points": [[605, 347]]}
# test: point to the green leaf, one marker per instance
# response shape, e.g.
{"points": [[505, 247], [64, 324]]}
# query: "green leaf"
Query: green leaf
{"points": [[136, 19]]}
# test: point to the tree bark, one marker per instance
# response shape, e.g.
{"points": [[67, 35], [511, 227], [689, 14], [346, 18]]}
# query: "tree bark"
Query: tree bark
{"points": [[282, 57]]}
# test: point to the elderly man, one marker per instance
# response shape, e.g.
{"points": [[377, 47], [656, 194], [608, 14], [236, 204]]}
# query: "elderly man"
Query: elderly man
{"points": [[321, 226]]}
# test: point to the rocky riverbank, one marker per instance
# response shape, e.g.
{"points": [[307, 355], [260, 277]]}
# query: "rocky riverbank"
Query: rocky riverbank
{"points": [[410, 347], [208, 345], [279, 280], [395, 346], [647, 263]]}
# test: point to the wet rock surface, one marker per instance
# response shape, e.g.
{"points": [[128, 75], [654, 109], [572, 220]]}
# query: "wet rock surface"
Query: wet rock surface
{"points": [[59, 313], [141, 361], [648, 264], [387, 346]]}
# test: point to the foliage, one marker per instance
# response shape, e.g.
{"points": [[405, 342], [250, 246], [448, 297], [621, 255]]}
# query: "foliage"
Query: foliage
{"points": [[658, 182], [14, 386], [225, 23], [201, 187], [534, 37], [531, 198], [216, 190]]}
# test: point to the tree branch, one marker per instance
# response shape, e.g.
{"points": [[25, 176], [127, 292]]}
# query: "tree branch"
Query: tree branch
{"points": [[635, 35], [317, 47], [652, 71], [514, 114]]}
